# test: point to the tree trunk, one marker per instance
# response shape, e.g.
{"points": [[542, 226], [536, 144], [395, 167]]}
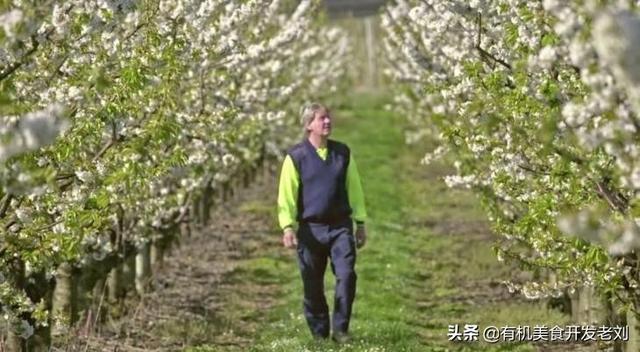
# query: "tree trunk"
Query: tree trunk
{"points": [[576, 314], [143, 269], [129, 273], [157, 253], [64, 308], [614, 318], [40, 341], [587, 306], [252, 174], [562, 303], [14, 343], [227, 192], [98, 304], [246, 177], [196, 204], [185, 230], [16, 277], [206, 199], [116, 284], [39, 289], [633, 344]]}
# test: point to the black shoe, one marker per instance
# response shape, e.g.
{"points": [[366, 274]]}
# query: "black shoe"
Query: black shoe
{"points": [[341, 337], [320, 337]]}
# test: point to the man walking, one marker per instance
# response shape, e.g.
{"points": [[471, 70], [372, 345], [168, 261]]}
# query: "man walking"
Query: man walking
{"points": [[320, 189]]}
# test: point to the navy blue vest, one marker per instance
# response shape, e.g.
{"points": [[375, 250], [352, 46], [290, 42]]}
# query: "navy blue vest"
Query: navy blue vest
{"points": [[322, 194]]}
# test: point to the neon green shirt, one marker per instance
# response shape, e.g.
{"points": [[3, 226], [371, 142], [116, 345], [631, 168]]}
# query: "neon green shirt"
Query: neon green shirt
{"points": [[288, 191]]}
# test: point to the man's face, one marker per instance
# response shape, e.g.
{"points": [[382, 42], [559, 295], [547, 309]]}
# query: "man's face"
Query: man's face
{"points": [[321, 123]]}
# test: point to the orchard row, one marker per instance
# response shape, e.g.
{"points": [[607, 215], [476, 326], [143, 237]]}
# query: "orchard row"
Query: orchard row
{"points": [[120, 119], [538, 104]]}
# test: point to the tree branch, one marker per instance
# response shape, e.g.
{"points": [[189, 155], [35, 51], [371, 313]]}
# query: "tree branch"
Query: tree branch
{"points": [[112, 141], [485, 54], [138, 27], [7, 71], [616, 200], [4, 206]]}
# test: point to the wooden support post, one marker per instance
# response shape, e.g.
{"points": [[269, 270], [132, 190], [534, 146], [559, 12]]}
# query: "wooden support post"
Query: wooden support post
{"points": [[371, 69]]}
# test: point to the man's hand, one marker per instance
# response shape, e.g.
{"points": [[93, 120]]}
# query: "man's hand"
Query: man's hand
{"points": [[361, 236], [289, 238]]}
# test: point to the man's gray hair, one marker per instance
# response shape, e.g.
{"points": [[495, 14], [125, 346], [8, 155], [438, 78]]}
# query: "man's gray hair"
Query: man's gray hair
{"points": [[307, 113]]}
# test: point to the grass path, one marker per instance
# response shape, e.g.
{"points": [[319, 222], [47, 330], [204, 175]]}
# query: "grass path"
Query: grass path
{"points": [[428, 263]]}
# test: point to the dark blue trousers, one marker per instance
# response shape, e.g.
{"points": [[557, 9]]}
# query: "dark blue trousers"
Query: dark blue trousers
{"points": [[316, 243]]}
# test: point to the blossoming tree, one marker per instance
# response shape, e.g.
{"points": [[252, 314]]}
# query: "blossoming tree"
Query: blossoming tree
{"points": [[117, 121], [537, 102]]}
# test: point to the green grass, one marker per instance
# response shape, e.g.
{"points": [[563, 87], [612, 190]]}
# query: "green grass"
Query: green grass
{"points": [[410, 280]]}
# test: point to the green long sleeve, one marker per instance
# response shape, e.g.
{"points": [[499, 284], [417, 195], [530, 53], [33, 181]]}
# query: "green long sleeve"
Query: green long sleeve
{"points": [[354, 192], [290, 181], [288, 194]]}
